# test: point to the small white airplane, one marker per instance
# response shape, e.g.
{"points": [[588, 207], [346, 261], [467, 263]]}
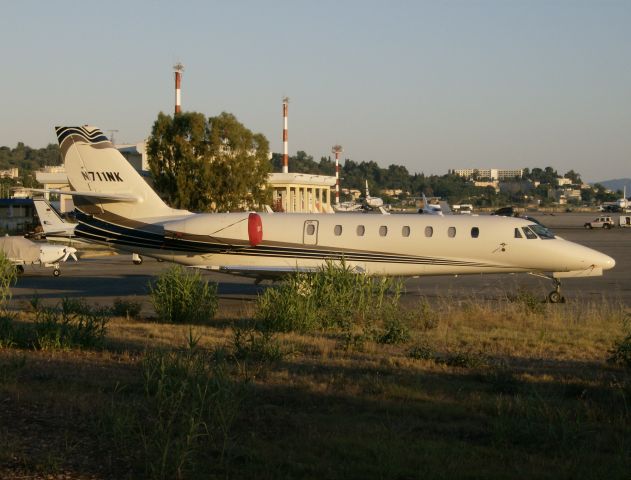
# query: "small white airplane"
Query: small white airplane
{"points": [[115, 206], [21, 251], [57, 230], [372, 202]]}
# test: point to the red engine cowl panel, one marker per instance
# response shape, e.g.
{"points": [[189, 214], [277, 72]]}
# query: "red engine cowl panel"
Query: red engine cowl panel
{"points": [[255, 229]]}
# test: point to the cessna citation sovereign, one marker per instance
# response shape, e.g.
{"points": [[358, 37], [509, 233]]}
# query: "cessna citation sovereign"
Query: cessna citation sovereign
{"points": [[115, 206]]}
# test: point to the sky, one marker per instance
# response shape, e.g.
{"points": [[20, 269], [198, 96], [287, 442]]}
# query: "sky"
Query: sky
{"points": [[431, 85]]}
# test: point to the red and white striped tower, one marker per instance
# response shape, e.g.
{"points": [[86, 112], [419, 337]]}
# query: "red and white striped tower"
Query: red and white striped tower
{"points": [[285, 148], [179, 68], [337, 149]]}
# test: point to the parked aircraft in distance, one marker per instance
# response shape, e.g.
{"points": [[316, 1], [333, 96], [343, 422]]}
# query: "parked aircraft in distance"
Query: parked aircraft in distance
{"points": [[115, 206], [54, 226], [21, 251], [348, 207], [57, 230], [372, 202], [430, 208]]}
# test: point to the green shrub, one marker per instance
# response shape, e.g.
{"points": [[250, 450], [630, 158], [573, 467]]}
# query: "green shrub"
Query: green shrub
{"points": [[180, 295], [395, 331], [332, 298], [126, 308]]}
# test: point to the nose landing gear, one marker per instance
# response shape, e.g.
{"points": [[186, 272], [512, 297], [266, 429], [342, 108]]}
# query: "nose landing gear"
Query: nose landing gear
{"points": [[555, 295]]}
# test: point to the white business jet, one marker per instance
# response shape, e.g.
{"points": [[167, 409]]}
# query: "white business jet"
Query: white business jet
{"points": [[115, 206]]}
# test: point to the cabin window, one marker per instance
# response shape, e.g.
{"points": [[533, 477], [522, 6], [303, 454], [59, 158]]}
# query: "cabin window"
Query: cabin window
{"points": [[361, 230], [475, 232], [518, 233], [338, 230], [405, 231], [310, 229], [451, 232], [530, 235], [383, 230], [429, 231]]}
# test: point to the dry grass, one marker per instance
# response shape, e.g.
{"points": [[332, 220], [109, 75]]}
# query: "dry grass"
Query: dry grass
{"points": [[510, 391]]}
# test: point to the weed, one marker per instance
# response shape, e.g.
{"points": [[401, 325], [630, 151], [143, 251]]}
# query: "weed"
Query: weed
{"points": [[253, 345], [10, 367], [180, 295], [465, 358], [395, 331], [184, 420], [502, 380], [126, 308], [427, 318], [69, 324], [529, 301], [621, 353], [422, 350], [8, 277]]}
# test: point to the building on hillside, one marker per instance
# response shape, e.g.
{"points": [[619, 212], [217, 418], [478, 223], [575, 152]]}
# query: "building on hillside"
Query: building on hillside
{"points": [[491, 183], [562, 181], [10, 173], [488, 173]]}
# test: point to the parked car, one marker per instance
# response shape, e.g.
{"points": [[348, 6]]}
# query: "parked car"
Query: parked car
{"points": [[601, 222]]}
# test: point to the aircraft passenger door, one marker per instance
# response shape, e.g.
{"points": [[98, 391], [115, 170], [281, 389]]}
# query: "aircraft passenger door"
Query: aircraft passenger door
{"points": [[310, 232]]}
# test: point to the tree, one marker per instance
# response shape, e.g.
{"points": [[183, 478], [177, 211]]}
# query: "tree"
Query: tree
{"points": [[213, 164], [574, 177]]}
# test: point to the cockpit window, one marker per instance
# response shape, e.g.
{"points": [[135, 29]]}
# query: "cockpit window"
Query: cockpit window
{"points": [[530, 235], [518, 233], [542, 231]]}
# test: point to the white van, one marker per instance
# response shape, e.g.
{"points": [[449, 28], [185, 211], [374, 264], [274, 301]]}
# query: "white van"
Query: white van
{"points": [[624, 221]]}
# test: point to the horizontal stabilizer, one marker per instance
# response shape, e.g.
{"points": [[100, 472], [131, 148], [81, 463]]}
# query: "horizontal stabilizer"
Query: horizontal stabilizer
{"points": [[121, 197]]}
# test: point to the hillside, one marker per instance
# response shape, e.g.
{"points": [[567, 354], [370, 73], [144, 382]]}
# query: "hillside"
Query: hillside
{"points": [[617, 184]]}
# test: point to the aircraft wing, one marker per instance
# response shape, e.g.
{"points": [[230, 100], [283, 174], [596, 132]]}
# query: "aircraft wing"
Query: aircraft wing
{"points": [[121, 197]]}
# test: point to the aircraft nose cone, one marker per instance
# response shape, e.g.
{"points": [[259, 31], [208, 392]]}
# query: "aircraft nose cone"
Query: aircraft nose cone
{"points": [[606, 262]]}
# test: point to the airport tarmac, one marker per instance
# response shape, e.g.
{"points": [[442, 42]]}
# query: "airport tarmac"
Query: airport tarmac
{"points": [[100, 280]]}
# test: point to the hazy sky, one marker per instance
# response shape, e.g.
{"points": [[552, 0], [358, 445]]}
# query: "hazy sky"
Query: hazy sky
{"points": [[429, 85]]}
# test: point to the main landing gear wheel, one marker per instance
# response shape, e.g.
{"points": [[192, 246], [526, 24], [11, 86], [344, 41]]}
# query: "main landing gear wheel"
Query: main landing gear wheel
{"points": [[19, 269], [555, 295], [56, 272]]}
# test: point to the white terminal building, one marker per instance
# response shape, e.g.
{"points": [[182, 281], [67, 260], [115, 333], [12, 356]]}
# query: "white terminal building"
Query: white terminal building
{"points": [[489, 173]]}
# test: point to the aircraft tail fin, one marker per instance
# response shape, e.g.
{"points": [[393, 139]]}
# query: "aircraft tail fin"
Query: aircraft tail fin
{"points": [[49, 217], [95, 167]]}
